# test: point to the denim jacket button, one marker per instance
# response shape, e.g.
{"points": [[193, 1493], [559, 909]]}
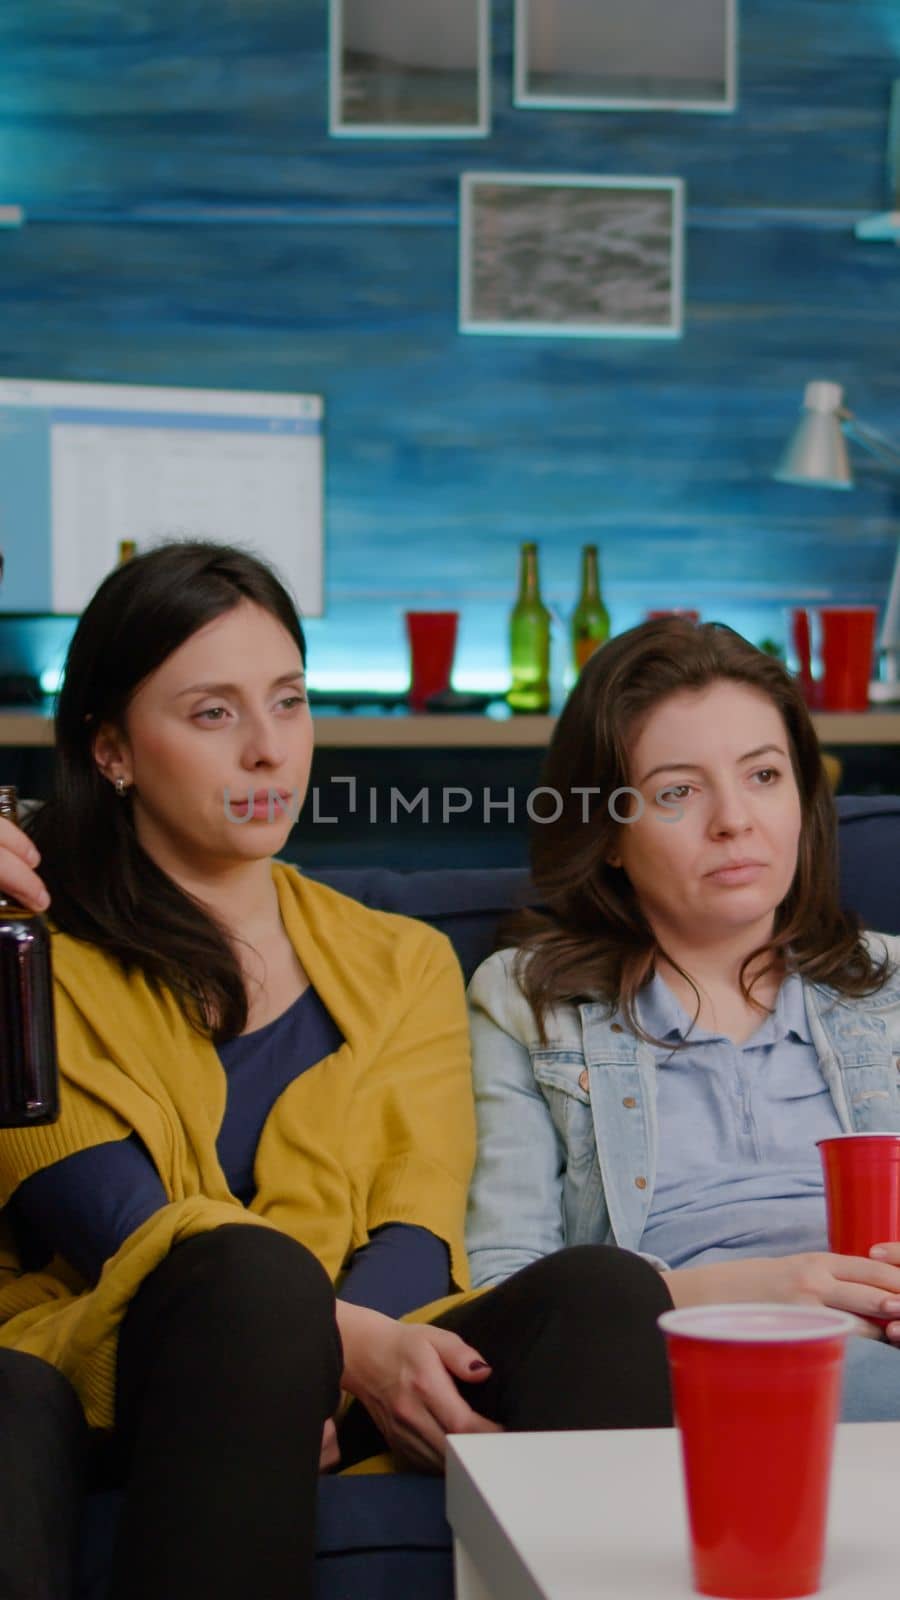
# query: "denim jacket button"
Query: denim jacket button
{"points": [[615, 1027], [640, 1183], [629, 1102], [584, 1081]]}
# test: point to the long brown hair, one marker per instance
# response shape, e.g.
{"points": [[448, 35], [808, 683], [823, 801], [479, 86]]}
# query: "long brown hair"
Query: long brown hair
{"points": [[591, 939], [104, 887]]}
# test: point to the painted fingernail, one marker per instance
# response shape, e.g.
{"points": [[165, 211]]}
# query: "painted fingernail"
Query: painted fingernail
{"points": [[483, 1366]]}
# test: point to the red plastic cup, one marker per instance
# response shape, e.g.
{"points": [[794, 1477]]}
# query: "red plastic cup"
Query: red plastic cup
{"points": [[862, 1190], [432, 645], [757, 1392], [801, 646], [848, 642]]}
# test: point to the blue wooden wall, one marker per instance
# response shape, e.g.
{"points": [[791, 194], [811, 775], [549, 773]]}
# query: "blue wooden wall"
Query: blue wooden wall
{"points": [[190, 221]]}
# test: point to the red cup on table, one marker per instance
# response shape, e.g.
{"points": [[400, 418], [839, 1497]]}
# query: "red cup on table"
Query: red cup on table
{"points": [[862, 1192], [432, 646], [848, 643], [756, 1390]]}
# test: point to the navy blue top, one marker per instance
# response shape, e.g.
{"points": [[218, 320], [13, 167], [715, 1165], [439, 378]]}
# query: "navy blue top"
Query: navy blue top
{"points": [[85, 1206]]}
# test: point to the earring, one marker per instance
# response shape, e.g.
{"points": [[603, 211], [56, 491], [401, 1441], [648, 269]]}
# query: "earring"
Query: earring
{"points": [[121, 787]]}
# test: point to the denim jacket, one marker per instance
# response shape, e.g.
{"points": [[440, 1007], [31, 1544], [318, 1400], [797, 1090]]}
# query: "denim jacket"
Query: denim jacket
{"points": [[567, 1130]]}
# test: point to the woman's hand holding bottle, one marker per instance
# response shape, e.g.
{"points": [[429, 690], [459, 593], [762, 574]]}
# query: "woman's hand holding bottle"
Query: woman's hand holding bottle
{"points": [[866, 1287], [18, 859]]}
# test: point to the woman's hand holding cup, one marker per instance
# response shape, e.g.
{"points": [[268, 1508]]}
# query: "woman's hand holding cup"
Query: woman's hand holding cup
{"points": [[860, 1285], [862, 1198], [889, 1252]]}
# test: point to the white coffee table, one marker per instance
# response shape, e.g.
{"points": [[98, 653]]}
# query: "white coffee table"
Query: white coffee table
{"points": [[600, 1516]]}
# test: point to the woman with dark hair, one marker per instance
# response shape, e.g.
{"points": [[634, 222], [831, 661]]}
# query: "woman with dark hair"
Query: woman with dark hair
{"points": [[254, 1197], [658, 1048]]}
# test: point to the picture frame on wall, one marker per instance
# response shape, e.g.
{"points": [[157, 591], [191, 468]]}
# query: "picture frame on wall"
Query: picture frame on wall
{"points": [[571, 255], [605, 55], [409, 69]]}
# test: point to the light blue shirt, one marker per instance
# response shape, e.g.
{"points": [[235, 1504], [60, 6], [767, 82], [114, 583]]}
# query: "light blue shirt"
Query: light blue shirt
{"points": [[738, 1172], [578, 1144], [570, 1135]]}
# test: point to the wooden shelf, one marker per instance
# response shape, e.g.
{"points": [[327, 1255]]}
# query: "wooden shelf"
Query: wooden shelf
{"points": [[25, 726], [858, 727]]}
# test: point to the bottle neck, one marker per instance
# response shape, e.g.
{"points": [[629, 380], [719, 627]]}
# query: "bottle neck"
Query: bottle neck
{"points": [[9, 809], [590, 574], [8, 905], [9, 802], [529, 582]]}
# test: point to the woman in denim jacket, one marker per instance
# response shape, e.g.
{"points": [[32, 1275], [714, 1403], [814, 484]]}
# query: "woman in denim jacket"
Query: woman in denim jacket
{"points": [[658, 1049]]}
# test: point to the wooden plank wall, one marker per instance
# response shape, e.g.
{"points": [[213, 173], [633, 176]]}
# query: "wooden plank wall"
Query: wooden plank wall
{"points": [[190, 221]]}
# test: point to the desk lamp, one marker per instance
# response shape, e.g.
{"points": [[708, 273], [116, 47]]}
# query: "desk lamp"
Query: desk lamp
{"points": [[817, 455]]}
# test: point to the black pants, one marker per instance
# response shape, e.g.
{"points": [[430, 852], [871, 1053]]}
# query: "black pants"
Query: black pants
{"points": [[573, 1343], [43, 1455], [229, 1362]]}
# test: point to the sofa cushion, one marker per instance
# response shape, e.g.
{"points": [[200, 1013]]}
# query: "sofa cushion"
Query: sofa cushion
{"points": [[869, 844], [377, 1538], [392, 1510], [467, 903]]}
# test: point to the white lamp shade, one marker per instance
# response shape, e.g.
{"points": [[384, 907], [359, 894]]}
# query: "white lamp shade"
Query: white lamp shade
{"points": [[816, 452]]}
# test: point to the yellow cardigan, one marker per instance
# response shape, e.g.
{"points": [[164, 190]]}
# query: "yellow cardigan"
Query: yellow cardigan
{"points": [[381, 1131]]}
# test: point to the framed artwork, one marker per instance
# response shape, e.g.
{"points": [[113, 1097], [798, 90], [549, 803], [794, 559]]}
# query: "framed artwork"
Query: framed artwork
{"points": [[409, 69], [627, 55], [568, 254]]}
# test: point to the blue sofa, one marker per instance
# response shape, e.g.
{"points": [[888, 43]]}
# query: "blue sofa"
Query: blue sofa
{"points": [[386, 1538]]}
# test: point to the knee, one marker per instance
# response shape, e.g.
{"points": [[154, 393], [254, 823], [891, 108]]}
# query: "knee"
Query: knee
{"points": [[254, 1267], [584, 1277], [32, 1389]]}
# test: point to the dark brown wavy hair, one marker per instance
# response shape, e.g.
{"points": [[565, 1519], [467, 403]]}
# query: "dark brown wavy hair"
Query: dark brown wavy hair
{"points": [[590, 939], [104, 887]]}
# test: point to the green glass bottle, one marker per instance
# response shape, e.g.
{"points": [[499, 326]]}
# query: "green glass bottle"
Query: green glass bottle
{"points": [[590, 619], [529, 640]]}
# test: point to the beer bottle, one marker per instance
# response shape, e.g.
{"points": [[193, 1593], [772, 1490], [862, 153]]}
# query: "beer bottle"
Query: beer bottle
{"points": [[127, 548], [529, 640], [29, 1076], [590, 619]]}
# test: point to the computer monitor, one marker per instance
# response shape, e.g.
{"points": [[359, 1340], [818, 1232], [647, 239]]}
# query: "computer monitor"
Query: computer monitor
{"points": [[84, 466]]}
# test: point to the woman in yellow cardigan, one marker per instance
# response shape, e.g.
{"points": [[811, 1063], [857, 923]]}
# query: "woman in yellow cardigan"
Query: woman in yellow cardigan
{"points": [[266, 1097]]}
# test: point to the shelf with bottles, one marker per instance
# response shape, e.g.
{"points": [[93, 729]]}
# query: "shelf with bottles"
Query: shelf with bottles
{"points": [[496, 727]]}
